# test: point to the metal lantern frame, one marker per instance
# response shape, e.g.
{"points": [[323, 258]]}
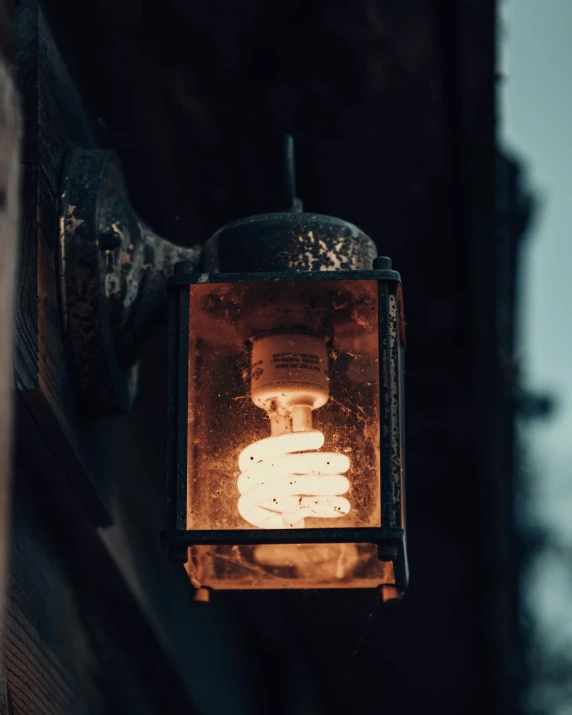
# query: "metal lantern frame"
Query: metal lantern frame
{"points": [[390, 537]]}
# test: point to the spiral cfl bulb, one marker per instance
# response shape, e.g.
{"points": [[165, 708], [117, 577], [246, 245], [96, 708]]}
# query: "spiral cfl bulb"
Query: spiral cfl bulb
{"points": [[283, 478]]}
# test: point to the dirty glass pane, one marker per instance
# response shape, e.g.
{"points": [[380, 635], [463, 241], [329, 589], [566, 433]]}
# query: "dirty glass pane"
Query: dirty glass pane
{"points": [[284, 425], [275, 566]]}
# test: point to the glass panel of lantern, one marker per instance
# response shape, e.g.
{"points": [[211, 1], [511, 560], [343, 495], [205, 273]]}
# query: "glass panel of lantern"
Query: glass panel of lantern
{"points": [[281, 386]]}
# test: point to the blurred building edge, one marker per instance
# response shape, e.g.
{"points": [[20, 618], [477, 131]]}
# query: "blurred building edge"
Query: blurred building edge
{"points": [[517, 208], [535, 406]]}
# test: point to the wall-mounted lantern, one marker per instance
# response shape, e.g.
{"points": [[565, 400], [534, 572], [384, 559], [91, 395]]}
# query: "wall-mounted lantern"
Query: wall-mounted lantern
{"points": [[285, 459]]}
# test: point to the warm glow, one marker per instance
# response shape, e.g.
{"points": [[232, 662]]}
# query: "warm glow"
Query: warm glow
{"points": [[283, 479], [281, 482]]}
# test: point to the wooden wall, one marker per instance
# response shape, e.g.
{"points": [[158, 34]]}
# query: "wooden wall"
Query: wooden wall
{"points": [[10, 132], [96, 619]]}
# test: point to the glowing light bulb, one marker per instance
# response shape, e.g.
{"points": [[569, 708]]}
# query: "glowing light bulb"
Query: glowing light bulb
{"points": [[283, 478]]}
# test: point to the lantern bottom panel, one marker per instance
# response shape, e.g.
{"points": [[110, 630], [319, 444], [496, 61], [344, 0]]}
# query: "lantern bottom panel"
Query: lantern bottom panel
{"points": [[288, 566]]}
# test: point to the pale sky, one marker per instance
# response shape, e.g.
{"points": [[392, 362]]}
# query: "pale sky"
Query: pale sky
{"points": [[535, 120], [535, 124]]}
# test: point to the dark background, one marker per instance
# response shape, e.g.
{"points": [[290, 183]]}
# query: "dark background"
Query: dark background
{"points": [[392, 106]]}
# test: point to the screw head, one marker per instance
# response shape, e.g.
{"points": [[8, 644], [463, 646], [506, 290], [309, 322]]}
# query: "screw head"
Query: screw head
{"points": [[382, 263], [387, 552]]}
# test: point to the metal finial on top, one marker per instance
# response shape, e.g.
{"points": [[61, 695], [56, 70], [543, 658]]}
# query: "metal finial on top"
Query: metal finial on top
{"points": [[293, 202]]}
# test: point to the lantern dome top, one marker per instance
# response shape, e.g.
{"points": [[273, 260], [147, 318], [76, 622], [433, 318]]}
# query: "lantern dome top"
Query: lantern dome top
{"points": [[288, 240]]}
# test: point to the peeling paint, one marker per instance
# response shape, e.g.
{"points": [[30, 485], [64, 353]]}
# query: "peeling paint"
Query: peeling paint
{"points": [[288, 241]]}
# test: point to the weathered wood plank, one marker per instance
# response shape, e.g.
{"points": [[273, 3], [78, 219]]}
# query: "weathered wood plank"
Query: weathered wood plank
{"points": [[54, 452], [53, 120], [129, 628], [51, 666], [75, 633], [46, 87], [6, 9], [40, 363], [10, 145], [9, 231]]}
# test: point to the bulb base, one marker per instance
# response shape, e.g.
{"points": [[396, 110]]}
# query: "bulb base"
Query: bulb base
{"points": [[289, 379]]}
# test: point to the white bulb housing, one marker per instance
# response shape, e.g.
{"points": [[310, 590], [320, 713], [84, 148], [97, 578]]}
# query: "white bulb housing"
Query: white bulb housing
{"points": [[289, 379]]}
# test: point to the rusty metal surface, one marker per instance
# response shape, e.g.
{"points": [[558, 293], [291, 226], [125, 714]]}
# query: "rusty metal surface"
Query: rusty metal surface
{"points": [[288, 241], [114, 271]]}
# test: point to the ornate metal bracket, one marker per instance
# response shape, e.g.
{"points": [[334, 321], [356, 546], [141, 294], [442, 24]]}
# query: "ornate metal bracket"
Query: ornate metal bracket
{"points": [[114, 271]]}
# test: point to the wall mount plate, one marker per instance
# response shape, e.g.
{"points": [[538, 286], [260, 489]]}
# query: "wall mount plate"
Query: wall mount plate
{"points": [[114, 271]]}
